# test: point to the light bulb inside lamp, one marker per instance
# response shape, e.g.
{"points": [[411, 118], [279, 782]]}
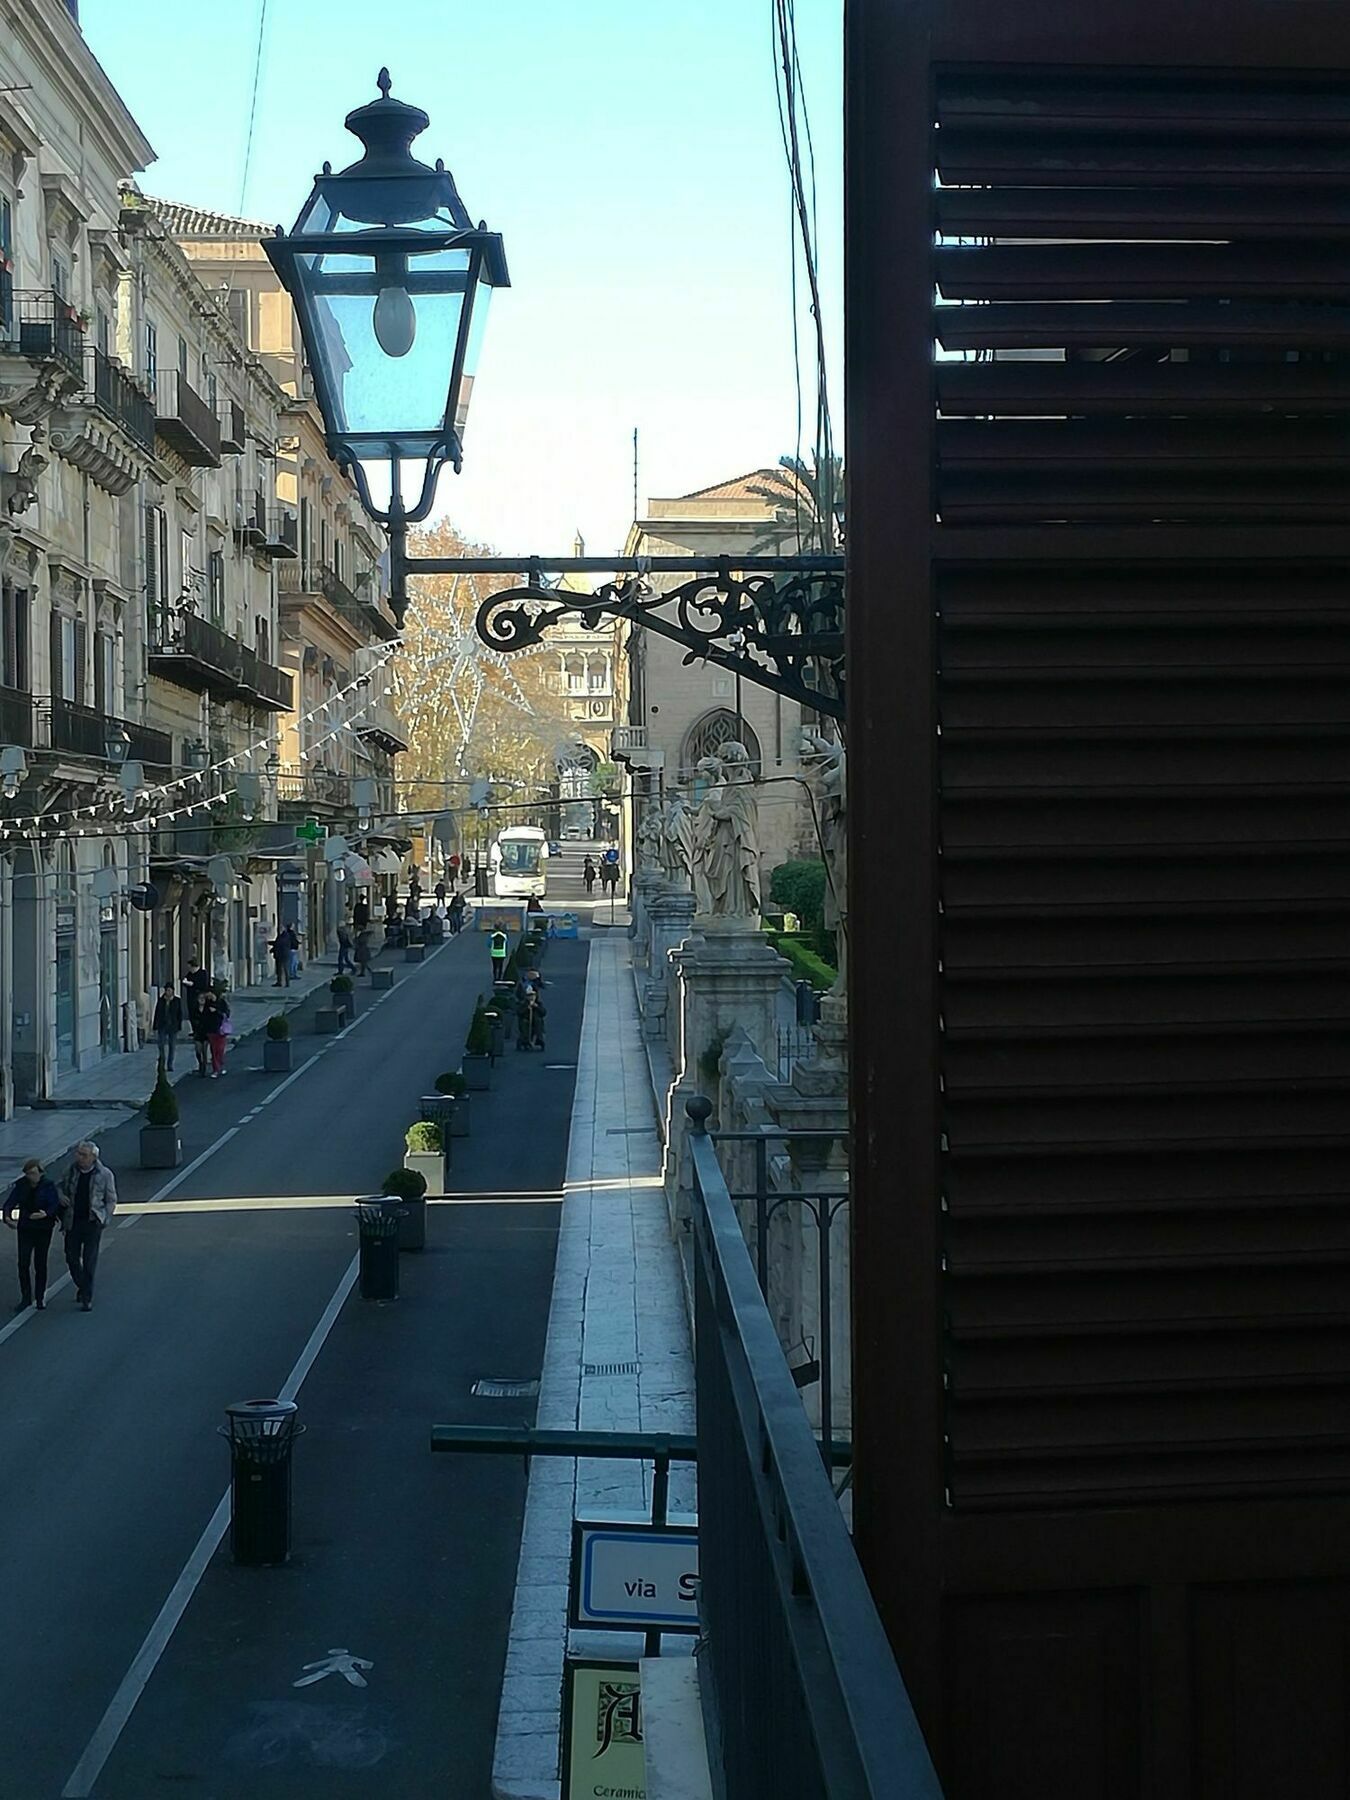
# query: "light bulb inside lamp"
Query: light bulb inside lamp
{"points": [[395, 318]]}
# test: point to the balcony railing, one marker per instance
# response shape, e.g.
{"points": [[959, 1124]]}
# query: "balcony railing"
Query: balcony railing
{"points": [[119, 398], [233, 432], [184, 420], [149, 746], [39, 324], [299, 786], [16, 717], [305, 578], [800, 1686], [250, 521], [628, 744], [281, 532], [383, 728], [197, 654], [80, 730]]}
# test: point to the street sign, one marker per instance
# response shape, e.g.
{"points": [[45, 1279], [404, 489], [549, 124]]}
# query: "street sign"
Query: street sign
{"points": [[634, 1577], [311, 832]]}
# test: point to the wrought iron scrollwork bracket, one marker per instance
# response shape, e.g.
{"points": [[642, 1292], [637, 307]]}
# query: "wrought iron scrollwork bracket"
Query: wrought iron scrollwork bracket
{"points": [[782, 631]]}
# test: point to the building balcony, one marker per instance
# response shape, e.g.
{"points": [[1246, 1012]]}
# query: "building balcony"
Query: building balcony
{"points": [[38, 325], [154, 748], [200, 656], [304, 583], [108, 431], [303, 789], [120, 398], [250, 522], [16, 717], [185, 422], [75, 729], [382, 727], [233, 431], [628, 744], [281, 533]]}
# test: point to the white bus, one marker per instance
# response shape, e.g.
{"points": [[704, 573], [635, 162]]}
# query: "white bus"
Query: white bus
{"points": [[519, 860]]}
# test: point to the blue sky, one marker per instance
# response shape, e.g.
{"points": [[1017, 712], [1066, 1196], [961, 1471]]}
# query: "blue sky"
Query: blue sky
{"points": [[628, 151]]}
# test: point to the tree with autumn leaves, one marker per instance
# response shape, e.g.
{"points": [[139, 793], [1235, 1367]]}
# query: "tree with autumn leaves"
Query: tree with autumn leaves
{"points": [[470, 711]]}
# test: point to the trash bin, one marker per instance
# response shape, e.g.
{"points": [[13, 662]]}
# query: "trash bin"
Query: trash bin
{"points": [[498, 1025], [808, 1006], [377, 1225], [261, 1436]]}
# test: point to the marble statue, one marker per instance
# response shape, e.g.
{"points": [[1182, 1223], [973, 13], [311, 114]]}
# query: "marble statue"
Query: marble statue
{"points": [[827, 762], [677, 832], [731, 857], [650, 839], [709, 772]]}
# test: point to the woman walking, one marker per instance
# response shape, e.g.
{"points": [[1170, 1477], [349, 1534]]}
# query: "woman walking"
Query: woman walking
{"points": [[588, 875], [217, 1028], [362, 953], [31, 1208]]}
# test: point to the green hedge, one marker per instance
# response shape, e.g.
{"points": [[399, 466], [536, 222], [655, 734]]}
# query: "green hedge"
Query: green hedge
{"points": [[799, 887], [806, 964]]}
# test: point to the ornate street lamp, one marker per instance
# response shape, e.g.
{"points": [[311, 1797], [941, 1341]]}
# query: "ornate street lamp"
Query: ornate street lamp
{"points": [[116, 743], [390, 280]]}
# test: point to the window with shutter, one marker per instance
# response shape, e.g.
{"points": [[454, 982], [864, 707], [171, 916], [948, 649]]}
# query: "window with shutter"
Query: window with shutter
{"points": [[236, 302], [80, 660]]}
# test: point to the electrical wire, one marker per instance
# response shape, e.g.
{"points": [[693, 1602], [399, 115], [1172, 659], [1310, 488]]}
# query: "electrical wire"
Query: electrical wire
{"points": [[253, 106]]}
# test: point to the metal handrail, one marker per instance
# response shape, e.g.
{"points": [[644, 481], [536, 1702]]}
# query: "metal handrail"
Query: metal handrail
{"points": [[806, 1698]]}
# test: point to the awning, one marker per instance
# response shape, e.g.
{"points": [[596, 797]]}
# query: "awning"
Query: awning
{"points": [[386, 862]]}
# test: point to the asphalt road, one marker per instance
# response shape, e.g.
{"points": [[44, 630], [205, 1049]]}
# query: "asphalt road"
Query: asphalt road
{"points": [[110, 1469]]}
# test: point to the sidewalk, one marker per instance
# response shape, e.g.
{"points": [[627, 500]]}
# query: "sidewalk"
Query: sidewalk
{"points": [[617, 1300], [97, 1099]]}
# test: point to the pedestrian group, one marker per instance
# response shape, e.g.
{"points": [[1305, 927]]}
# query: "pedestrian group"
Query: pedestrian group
{"points": [[81, 1206]]}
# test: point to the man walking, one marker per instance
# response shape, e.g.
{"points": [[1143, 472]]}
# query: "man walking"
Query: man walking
{"points": [[32, 1206], [168, 1022], [497, 947], [88, 1202], [344, 938], [281, 956]]}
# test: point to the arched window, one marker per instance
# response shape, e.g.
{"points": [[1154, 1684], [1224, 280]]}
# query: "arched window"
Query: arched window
{"points": [[63, 871], [575, 667], [706, 737]]}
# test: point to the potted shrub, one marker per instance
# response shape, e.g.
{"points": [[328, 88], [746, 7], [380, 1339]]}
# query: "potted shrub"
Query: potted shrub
{"points": [[478, 1051], [456, 1090], [277, 1045], [161, 1146], [410, 1187], [343, 990], [425, 1154]]}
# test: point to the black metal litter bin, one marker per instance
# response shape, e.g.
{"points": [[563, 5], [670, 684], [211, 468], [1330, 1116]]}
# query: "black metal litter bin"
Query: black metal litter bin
{"points": [[808, 1006], [261, 1435], [377, 1225]]}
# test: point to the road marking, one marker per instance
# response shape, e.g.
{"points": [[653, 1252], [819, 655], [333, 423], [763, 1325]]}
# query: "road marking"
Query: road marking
{"points": [[337, 1662], [133, 1684]]}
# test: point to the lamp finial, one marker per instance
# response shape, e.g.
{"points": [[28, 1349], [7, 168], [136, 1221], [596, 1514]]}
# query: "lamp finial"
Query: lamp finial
{"points": [[383, 83]]}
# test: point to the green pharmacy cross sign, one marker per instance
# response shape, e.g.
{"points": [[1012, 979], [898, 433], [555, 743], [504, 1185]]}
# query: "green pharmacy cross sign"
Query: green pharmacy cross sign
{"points": [[311, 832]]}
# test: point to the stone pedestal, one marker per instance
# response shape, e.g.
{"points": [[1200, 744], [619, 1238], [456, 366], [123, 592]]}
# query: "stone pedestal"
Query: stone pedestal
{"points": [[670, 917], [728, 976]]}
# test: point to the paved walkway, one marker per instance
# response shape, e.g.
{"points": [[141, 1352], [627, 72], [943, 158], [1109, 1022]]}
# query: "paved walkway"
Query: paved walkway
{"points": [[100, 1098], [616, 1300]]}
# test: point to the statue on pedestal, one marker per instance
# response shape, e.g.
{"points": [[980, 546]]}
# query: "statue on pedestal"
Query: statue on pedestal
{"points": [[828, 762], [709, 771], [677, 834], [650, 840], [731, 856]]}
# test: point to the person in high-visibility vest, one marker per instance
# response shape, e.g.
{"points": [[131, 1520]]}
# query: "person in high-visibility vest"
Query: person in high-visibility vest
{"points": [[497, 951]]}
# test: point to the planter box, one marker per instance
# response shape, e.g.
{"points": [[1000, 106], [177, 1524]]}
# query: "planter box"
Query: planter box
{"points": [[477, 1072], [431, 1164], [327, 1019], [345, 1004], [161, 1147], [381, 978], [414, 952], [276, 1055]]}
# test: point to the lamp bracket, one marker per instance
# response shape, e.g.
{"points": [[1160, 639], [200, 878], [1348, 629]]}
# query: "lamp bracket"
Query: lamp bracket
{"points": [[780, 628]]}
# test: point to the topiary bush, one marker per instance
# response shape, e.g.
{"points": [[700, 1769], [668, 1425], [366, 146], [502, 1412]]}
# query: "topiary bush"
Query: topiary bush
{"points": [[278, 1028], [424, 1137], [805, 962], [799, 887], [161, 1108], [452, 1083], [479, 1040], [404, 1184], [340, 984]]}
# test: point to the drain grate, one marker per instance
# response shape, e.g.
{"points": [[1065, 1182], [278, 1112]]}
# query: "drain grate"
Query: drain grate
{"points": [[489, 1387], [625, 1368]]}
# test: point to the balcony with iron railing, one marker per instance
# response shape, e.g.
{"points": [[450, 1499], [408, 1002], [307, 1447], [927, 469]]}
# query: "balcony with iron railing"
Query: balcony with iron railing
{"points": [[302, 787], [185, 421], [381, 726], [193, 653], [799, 1684], [302, 582], [281, 533], [38, 324], [16, 717], [233, 430], [628, 744], [119, 397], [149, 746]]}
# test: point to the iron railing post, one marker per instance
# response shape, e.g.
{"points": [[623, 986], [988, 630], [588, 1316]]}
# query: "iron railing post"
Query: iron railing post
{"points": [[824, 1225], [762, 1214]]}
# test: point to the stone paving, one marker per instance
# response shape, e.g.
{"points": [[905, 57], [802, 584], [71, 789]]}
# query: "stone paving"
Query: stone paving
{"points": [[102, 1097], [616, 1299]]}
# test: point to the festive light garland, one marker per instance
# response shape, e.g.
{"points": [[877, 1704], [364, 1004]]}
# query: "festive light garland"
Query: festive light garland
{"points": [[27, 826]]}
